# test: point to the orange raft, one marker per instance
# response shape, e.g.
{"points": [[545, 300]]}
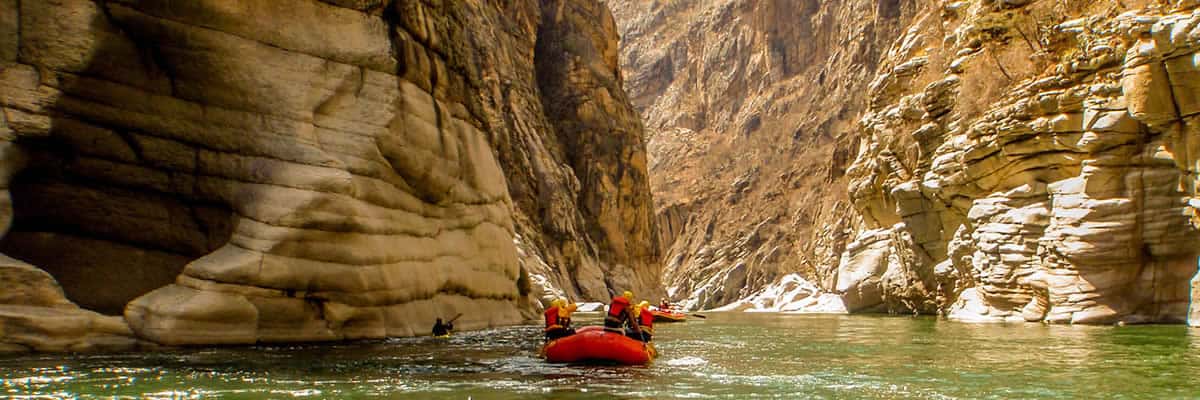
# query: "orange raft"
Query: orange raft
{"points": [[668, 316], [592, 344]]}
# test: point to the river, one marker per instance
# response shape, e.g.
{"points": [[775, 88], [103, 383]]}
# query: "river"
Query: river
{"points": [[727, 355]]}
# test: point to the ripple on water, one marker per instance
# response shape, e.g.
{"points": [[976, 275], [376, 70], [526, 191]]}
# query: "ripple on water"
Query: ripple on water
{"points": [[726, 357], [688, 361], [705, 344], [297, 393], [179, 394]]}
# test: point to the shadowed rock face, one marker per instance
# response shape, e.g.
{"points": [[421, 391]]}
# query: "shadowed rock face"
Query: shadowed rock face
{"points": [[598, 216], [274, 171]]}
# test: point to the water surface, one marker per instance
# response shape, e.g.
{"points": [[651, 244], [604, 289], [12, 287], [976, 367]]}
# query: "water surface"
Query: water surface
{"points": [[731, 355]]}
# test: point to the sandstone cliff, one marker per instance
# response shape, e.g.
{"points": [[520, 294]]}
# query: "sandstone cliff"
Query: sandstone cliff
{"points": [[1007, 160], [749, 108], [270, 171], [1031, 160]]}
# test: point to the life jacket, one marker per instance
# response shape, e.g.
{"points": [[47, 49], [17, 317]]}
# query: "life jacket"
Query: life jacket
{"points": [[646, 320], [617, 308], [551, 315], [564, 315]]}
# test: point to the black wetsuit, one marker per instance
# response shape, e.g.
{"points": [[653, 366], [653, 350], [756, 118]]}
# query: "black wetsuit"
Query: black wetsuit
{"points": [[440, 329]]}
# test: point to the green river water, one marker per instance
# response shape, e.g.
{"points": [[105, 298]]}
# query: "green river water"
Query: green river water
{"points": [[727, 355]]}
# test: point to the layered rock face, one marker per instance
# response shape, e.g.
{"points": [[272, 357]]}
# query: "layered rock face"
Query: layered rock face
{"points": [[749, 108], [1031, 161], [272, 171], [584, 191], [1011, 160]]}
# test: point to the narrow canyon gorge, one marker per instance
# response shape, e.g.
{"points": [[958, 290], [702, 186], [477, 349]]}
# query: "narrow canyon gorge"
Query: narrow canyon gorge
{"points": [[216, 172]]}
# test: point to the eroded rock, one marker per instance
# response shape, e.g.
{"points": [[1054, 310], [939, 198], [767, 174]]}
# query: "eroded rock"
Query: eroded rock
{"points": [[1061, 190], [743, 103], [279, 171]]}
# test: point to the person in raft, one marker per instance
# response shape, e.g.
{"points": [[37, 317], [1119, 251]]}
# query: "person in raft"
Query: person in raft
{"points": [[664, 305], [442, 329], [645, 322], [620, 313], [558, 319], [564, 314]]}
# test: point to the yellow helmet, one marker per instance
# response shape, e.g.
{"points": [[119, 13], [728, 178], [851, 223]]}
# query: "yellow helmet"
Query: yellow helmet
{"points": [[566, 310], [556, 303], [627, 295], [639, 307]]}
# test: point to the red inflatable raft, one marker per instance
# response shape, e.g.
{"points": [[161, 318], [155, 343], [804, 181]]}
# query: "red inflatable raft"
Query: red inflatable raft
{"points": [[594, 344], [668, 316]]}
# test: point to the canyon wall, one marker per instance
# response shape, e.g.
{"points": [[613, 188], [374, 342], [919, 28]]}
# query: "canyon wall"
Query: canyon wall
{"points": [[1003, 160], [233, 172], [750, 109], [1031, 161]]}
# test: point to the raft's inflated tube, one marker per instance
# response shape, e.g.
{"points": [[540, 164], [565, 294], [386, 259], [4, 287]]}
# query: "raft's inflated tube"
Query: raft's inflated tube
{"points": [[594, 344], [667, 316]]}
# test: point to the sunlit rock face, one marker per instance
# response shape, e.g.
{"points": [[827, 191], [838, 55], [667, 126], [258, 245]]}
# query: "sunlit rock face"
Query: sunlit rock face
{"points": [[1031, 161], [224, 172], [749, 105], [985, 160]]}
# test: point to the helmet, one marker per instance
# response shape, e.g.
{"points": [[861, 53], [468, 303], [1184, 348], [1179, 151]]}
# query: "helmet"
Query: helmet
{"points": [[627, 295], [566, 310]]}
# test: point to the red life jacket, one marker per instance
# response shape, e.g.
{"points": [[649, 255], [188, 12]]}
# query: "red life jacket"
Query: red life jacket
{"points": [[646, 319], [551, 315], [617, 308]]}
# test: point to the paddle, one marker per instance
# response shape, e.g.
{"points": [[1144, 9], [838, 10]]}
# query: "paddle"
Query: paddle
{"points": [[699, 316], [445, 327], [450, 324]]}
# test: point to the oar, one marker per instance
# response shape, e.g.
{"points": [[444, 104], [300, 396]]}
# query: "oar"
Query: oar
{"points": [[454, 319], [701, 316]]}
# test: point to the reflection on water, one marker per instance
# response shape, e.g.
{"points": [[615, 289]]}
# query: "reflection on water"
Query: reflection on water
{"points": [[724, 356]]}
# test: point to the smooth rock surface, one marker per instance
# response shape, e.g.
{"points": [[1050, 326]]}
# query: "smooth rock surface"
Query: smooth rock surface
{"points": [[290, 171]]}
